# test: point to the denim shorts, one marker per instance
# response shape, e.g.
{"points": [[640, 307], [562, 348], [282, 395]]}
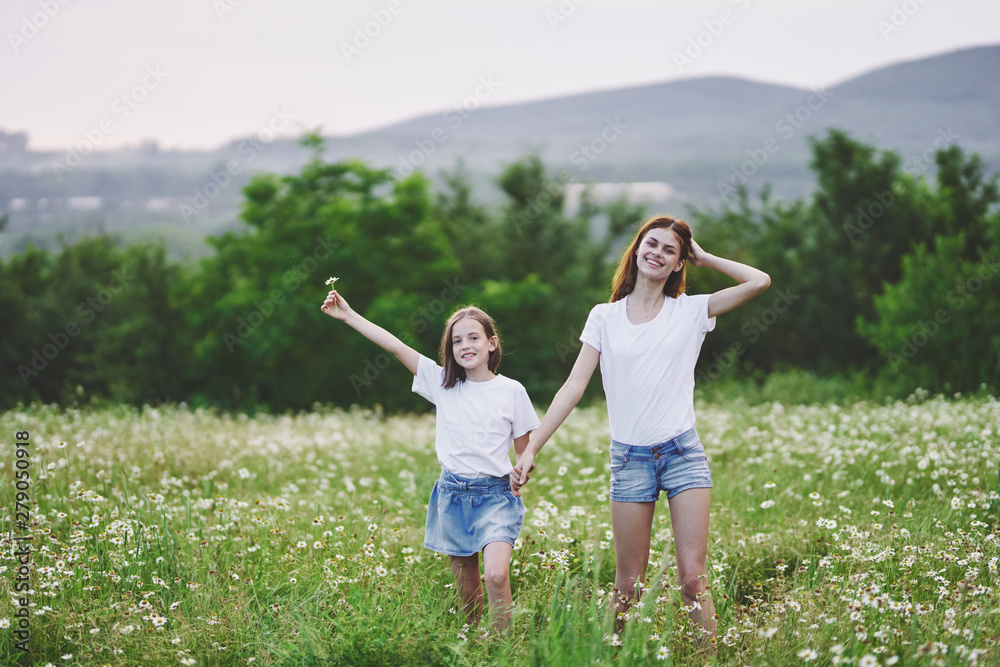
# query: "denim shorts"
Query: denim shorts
{"points": [[464, 515], [638, 474]]}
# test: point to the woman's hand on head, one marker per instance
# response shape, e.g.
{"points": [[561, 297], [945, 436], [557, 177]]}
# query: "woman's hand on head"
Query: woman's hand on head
{"points": [[336, 306], [696, 256]]}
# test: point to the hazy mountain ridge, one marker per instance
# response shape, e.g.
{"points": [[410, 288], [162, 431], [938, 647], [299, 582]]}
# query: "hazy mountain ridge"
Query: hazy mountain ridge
{"points": [[693, 134]]}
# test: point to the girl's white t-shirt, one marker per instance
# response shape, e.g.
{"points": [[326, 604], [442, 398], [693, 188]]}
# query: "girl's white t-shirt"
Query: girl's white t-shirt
{"points": [[476, 421], [648, 369]]}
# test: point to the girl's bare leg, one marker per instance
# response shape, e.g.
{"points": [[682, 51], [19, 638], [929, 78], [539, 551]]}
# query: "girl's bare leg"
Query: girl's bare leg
{"points": [[496, 566], [466, 571]]}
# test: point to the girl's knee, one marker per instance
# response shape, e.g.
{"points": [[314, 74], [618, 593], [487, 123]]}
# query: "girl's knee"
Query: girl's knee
{"points": [[497, 576]]}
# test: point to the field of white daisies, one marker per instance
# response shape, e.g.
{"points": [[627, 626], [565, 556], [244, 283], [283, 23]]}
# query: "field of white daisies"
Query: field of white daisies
{"points": [[861, 534]]}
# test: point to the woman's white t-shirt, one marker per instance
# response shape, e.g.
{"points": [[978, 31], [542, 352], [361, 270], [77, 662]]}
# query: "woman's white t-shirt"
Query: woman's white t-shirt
{"points": [[476, 421], [648, 369]]}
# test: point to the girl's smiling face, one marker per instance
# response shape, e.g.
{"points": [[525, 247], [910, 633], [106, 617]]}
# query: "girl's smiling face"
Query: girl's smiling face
{"points": [[471, 346], [659, 254]]}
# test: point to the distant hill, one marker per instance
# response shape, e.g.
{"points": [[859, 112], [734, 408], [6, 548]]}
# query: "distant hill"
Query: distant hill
{"points": [[691, 135]]}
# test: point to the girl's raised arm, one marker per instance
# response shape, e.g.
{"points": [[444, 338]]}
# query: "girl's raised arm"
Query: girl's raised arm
{"points": [[752, 282], [337, 307], [565, 400]]}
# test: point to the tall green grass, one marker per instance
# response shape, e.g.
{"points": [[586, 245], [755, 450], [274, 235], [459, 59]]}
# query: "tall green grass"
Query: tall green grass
{"points": [[858, 531]]}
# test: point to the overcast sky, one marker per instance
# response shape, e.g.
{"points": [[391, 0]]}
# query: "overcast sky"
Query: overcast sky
{"points": [[197, 73]]}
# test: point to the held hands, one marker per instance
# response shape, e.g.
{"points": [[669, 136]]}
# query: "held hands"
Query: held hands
{"points": [[521, 473], [336, 306]]}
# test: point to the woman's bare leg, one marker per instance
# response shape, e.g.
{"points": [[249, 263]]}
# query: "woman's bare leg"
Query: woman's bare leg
{"points": [[689, 512], [632, 524]]}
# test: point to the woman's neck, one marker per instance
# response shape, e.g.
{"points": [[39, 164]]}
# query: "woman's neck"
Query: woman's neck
{"points": [[646, 291]]}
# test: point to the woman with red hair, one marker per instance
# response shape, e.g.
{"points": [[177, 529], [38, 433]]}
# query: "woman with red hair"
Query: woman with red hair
{"points": [[647, 340]]}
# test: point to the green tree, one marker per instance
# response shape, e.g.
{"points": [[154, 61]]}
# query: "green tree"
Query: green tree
{"points": [[829, 256], [938, 326], [536, 270], [258, 335], [93, 320]]}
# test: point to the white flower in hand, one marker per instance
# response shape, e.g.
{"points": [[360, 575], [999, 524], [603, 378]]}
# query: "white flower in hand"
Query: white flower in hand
{"points": [[332, 283]]}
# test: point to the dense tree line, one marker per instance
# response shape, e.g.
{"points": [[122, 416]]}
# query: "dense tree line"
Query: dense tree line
{"points": [[880, 272]]}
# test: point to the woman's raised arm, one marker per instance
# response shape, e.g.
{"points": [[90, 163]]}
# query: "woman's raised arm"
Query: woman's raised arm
{"points": [[752, 282]]}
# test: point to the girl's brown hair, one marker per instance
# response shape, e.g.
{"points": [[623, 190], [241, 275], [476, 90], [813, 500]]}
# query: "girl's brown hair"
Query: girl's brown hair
{"points": [[453, 373], [624, 281]]}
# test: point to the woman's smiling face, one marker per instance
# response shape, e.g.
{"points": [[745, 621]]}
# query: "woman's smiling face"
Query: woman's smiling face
{"points": [[659, 254]]}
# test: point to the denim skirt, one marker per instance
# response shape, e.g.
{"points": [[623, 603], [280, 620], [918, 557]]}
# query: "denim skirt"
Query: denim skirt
{"points": [[464, 515]]}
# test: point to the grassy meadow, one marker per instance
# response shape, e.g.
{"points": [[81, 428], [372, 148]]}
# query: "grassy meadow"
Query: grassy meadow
{"points": [[861, 534]]}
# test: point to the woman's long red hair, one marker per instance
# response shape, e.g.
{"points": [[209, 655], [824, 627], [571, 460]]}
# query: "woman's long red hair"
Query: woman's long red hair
{"points": [[624, 281]]}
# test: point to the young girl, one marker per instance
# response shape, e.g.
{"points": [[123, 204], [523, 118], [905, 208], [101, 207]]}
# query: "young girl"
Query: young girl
{"points": [[472, 507], [647, 340]]}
